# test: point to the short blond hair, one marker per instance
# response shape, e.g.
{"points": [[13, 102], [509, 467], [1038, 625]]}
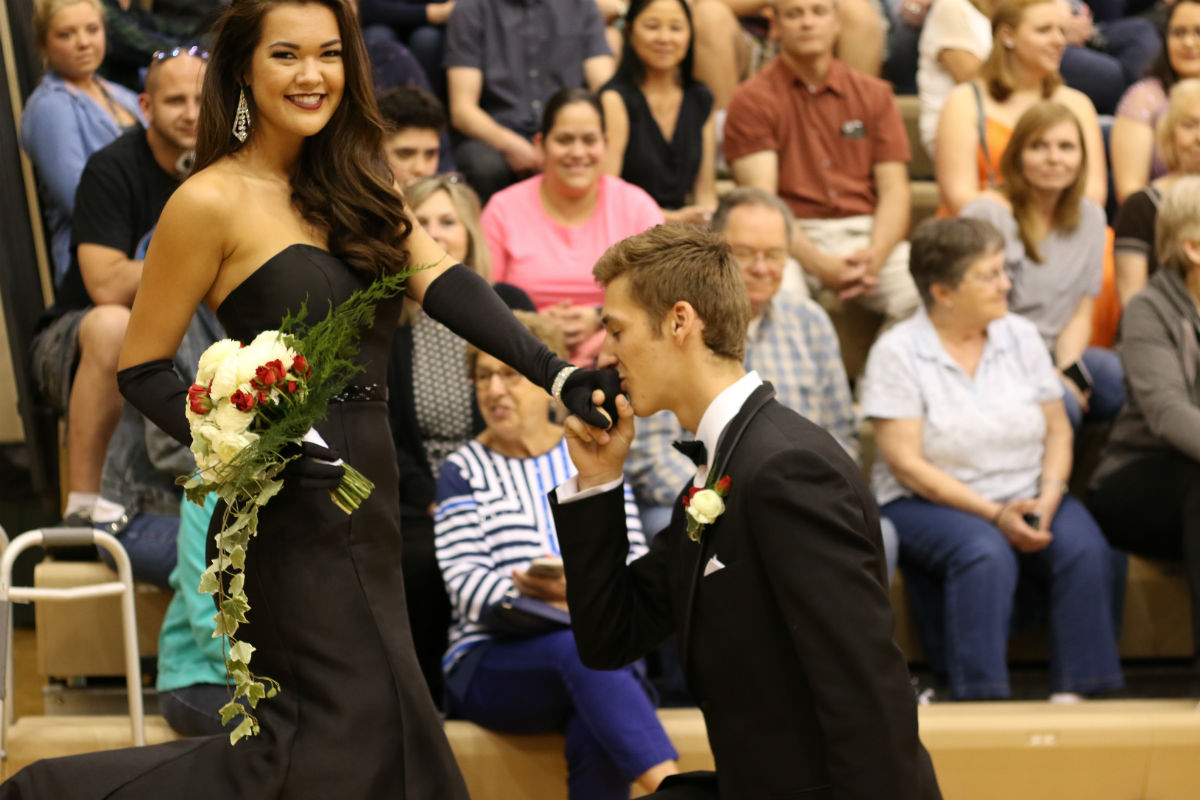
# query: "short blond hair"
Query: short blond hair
{"points": [[44, 11], [1178, 220], [678, 261], [543, 329], [1184, 97]]}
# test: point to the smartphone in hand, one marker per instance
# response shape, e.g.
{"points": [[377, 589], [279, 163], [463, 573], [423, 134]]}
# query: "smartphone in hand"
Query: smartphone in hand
{"points": [[1079, 375], [549, 567]]}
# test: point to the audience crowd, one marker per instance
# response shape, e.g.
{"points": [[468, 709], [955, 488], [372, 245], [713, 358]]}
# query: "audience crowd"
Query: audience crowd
{"points": [[577, 123]]}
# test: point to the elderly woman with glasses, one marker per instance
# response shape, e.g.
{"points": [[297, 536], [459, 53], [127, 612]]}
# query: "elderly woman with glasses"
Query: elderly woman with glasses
{"points": [[493, 521], [432, 410], [975, 450]]}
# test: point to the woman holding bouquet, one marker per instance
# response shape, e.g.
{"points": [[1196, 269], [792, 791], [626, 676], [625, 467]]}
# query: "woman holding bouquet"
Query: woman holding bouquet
{"points": [[291, 202]]}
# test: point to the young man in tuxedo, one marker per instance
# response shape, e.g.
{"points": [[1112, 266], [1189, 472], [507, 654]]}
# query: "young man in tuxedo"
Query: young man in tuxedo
{"points": [[783, 621]]}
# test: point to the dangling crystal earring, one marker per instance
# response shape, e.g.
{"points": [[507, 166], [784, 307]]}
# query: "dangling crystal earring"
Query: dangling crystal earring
{"points": [[241, 119]]}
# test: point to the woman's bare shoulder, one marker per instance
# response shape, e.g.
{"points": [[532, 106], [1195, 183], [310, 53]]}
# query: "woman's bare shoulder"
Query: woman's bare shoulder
{"points": [[211, 195]]}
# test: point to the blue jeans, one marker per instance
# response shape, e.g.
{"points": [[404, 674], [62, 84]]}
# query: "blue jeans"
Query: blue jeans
{"points": [[195, 710], [1108, 389], [150, 541], [1104, 77], [538, 685], [977, 571]]}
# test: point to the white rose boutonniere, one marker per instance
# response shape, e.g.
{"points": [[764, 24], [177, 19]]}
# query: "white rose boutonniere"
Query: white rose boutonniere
{"points": [[704, 506]]}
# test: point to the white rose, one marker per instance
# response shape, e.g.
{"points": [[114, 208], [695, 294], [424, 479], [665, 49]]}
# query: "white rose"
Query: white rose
{"points": [[228, 419], [226, 445], [213, 356], [225, 380], [705, 506]]}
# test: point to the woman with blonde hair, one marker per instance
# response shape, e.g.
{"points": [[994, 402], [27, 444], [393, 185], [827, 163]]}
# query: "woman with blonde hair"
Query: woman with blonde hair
{"points": [[432, 410], [1178, 135], [1054, 251], [72, 113], [1021, 70], [1146, 491]]}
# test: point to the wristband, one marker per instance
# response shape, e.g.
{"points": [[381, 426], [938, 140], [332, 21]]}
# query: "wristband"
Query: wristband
{"points": [[559, 379], [1057, 483]]}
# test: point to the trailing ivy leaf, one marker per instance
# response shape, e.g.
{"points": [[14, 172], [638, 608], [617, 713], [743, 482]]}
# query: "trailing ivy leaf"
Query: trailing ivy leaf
{"points": [[269, 490], [230, 710], [244, 728], [236, 584], [237, 557], [241, 652], [208, 582]]}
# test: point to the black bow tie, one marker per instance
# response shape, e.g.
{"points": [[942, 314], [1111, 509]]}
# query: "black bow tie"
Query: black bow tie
{"points": [[695, 450]]}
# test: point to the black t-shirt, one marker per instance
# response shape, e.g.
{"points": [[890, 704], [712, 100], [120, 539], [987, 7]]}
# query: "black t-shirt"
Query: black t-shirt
{"points": [[1134, 227], [121, 194]]}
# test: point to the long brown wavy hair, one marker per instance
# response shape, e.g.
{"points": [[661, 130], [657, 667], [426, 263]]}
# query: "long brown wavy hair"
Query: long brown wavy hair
{"points": [[1037, 120], [342, 185]]}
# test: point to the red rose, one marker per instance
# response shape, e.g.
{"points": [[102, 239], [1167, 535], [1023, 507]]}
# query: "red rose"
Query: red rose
{"points": [[198, 399], [687, 498], [243, 401], [269, 374], [300, 366], [722, 486], [291, 387], [262, 398]]}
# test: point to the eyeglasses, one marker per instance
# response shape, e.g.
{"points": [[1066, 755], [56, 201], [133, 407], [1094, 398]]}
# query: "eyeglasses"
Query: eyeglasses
{"points": [[508, 377], [748, 256], [166, 55], [992, 276]]}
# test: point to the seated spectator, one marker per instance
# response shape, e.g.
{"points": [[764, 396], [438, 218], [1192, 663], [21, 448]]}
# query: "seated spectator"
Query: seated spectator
{"points": [[493, 519], [135, 33], [906, 26], [733, 40], [659, 118], [420, 25], [1135, 161], [1179, 143], [974, 454], [831, 143], [72, 113], [192, 683], [121, 193], [1146, 491], [546, 232], [498, 83], [414, 123], [432, 409], [955, 41], [1105, 57], [978, 117], [1054, 250]]}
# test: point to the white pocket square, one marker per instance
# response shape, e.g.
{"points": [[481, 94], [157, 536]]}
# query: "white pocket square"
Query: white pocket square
{"points": [[714, 564]]}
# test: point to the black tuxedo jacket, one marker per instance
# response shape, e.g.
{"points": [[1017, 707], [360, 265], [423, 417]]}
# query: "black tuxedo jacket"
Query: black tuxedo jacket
{"points": [[787, 649]]}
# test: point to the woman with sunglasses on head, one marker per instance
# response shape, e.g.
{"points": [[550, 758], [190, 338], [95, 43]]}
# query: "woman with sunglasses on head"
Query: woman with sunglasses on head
{"points": [[659, 118], [433, 411], [291, 201], [72, 113]]}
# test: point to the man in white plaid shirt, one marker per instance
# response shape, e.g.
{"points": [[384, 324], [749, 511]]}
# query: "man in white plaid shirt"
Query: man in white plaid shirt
{"points": [[791, 343]]}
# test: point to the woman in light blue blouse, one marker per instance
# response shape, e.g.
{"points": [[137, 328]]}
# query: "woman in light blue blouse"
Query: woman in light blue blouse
{"points": [[975, 451], [493, 518], [72, 113]]}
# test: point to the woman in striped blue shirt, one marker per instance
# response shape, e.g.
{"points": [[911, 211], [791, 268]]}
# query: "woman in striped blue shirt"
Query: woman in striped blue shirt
{"points": [[492, 520]]}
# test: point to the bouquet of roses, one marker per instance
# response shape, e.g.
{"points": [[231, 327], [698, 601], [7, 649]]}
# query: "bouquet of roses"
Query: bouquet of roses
{"points": [[250, 409]]}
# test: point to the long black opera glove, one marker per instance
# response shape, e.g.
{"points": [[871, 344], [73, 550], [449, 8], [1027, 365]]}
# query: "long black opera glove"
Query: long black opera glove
{"points": [[312, 469], [155, 389], [464, 303]]}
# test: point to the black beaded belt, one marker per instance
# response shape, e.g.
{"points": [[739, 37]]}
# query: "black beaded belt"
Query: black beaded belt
{"points": [[359, 394]]}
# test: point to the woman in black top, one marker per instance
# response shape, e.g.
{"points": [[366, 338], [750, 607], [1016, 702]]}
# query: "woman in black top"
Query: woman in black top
{"points": [[660, 122]]}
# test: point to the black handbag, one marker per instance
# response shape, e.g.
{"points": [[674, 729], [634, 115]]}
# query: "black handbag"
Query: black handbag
{"points": [[518, 615]]}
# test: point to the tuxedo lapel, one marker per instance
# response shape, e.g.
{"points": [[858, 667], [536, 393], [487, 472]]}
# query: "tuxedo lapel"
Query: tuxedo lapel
{"points": [[725, 447]]}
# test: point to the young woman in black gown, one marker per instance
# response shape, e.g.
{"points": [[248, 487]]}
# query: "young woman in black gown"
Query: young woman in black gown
{"points": [[303, 210]]}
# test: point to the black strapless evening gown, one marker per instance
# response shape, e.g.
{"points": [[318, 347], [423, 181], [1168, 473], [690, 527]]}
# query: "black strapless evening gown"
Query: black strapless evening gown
{"points": [[354, 719]]}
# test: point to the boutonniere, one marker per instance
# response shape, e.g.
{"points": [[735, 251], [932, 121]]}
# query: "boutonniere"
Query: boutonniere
{"points": [[704, 506]]}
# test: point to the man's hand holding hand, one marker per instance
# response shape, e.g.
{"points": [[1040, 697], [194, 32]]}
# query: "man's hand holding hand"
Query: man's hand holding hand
{"points": [[599, 455]]}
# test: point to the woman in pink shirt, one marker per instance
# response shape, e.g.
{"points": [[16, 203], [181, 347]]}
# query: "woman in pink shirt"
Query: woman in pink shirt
{"points": [[547, 232]]}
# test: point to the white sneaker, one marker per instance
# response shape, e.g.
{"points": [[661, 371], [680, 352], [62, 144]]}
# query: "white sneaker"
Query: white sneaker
{"points": [[1066, 698]]}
